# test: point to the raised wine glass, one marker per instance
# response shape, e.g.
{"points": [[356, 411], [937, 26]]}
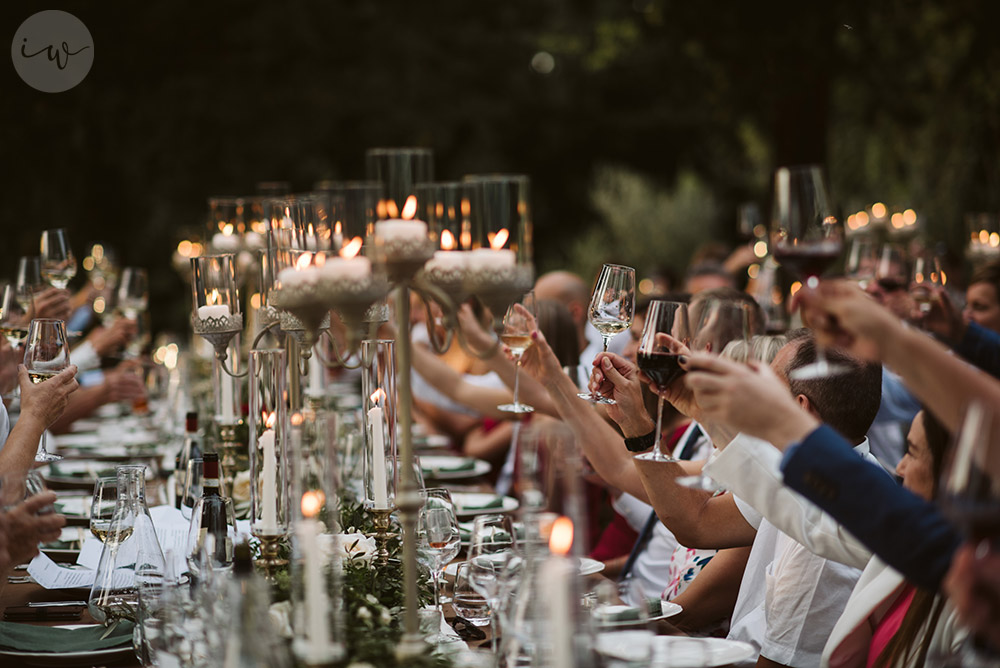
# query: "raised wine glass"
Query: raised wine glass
{"points": [[971, 499], [439, 540], [29, 282], [517, 325], [612, 306], [12, 318], [806, 238], [925, 276], [46, 353], [102, 506], [861, 261], [133, 292], [657, 357], [58, 266]]}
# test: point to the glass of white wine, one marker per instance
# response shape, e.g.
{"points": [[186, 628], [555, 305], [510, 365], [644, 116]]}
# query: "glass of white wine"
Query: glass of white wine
{"points": [[133, 292], [12, 318], [517, 327], [46, 353], [102, 507], [612, 306], [58, 266]]}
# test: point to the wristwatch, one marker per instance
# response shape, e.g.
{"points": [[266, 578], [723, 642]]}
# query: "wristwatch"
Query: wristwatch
{"points": [[641, 443]]}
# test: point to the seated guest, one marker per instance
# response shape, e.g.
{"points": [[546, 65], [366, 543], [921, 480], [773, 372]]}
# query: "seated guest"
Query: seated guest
{"points": [[982, 297], [41, 406]]}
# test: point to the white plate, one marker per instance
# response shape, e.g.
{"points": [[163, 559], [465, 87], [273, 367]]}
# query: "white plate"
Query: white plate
{"points": [[681, 652], [590, 566], [431, 441], [667, 609], [463, 499], [437, 467]]}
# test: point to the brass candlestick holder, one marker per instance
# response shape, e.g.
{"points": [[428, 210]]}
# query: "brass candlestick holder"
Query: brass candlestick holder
{"points": [[270, 559], [234, 456], [382, 518]]}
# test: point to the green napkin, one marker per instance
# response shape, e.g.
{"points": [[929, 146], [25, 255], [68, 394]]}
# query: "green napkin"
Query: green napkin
{"points": [[32, 638], [454, 467], [495, 502]]}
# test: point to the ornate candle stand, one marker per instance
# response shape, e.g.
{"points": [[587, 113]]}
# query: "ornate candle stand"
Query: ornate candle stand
{"points": [[382, 517]]}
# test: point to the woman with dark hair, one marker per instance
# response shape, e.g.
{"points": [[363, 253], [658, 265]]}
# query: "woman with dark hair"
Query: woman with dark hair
{"points": [[982, 297]]}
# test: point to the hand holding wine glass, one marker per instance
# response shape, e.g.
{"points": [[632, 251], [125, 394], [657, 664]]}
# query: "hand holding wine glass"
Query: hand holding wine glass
{"points": [[612, 307], [665, 322], [45, 355], [518, 324]]}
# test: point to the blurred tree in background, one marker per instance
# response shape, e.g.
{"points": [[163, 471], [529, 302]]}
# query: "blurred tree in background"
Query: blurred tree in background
{"points": [[654, 115]]}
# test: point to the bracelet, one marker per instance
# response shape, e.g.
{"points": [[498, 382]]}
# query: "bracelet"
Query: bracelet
{"points": [[641, 443]]}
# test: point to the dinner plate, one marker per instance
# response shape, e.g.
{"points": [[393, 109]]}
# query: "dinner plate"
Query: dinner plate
{"points": [[681, 652], [667, 609], [465, 499], [445, 467], [431, 441], [87, 658], [587, 567]]}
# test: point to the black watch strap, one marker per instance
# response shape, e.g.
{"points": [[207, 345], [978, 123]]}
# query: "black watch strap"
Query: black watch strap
{"points": [[641, 443]]}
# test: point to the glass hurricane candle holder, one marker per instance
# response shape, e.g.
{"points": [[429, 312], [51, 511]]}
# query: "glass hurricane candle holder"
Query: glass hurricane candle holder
{"points": [[378, 388], [398, 169], [216, 307], [440, 204], [353, 207], [269, 475]]}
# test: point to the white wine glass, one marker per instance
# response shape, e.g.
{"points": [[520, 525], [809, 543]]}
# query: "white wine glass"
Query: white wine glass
{"points": [[57, 264], [518, 324], [612, 307], [926, 276], [29, 282], [12, 318], [46, 353], [102, 506], [806, 238], [439, 539], [665, 336], [133, 292]]}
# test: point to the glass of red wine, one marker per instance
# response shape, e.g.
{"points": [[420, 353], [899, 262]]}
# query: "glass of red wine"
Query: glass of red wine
{"points": [[806, 238], [665, 337]]}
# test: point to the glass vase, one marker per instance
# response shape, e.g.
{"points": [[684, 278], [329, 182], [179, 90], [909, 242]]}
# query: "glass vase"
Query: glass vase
{"points": [[268, 443]]}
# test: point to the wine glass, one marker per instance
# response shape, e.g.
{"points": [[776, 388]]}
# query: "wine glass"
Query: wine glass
{"points": [[102, 506], [926, 274], [621, 616], [192, 487], [861, 261], [612, 306], [439, 539], [806, 238], [12, 318], [723, 328], [657, 357], [58, 266], [971, 499], [517, 326], [468, 602], [491, 547], [46, 353], [29, 282], [133, 292]]}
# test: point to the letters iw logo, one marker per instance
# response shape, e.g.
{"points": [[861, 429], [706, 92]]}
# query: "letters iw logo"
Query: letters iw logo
{"points": [[52, 51]]}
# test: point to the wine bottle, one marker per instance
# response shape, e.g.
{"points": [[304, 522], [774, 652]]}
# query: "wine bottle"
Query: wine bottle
{"points": [[214, 518], [189, 450]]}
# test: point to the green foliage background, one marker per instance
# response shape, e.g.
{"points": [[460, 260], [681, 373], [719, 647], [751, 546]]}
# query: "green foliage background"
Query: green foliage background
{"points": [[658, 119]]}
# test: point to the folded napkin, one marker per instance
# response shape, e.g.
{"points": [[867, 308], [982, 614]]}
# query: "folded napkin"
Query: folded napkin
{"points": [[627, 613], [451, 466], [495, 502], [32, 638]]}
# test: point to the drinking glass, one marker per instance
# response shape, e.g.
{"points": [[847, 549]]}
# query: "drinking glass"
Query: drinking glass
{"points": [[665, 336], [971, 499], [46, 353], [612, 306], [518, 324], [192, 487], [892, 268], [926, 274], [624, 635], [29, 282], [133, 292], [492, 547], [102, 506], [468, 602], [12, 318], [439, 539], [58, 266], [806, 238], [862, 261]]}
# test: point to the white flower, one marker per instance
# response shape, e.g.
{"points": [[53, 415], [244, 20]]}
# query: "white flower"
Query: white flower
{"points": [[241, 487], [371, 599], [364, 613], [384, 616], [280, 615], [355, 546]]}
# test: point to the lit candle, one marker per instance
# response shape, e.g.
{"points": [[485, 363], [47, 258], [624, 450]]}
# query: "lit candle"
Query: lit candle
{"points": [[226, 242], [557, 580], [213, 309], [398, 230], [269, 482], [379, 488], [346, 269], [316, 372], [314, 584]]}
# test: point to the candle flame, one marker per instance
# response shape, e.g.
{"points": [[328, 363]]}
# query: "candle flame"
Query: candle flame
{"points": [[447, 240], [351, 248], [378, 397], [296, 419], [270, 419], [319, 259], [498, 240], [214, 297], [561, 538], [391, 210], [984, 237], [879, 210], [409, 208], [227, 229], [184, 248], [303, 261], [312, 502]]}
